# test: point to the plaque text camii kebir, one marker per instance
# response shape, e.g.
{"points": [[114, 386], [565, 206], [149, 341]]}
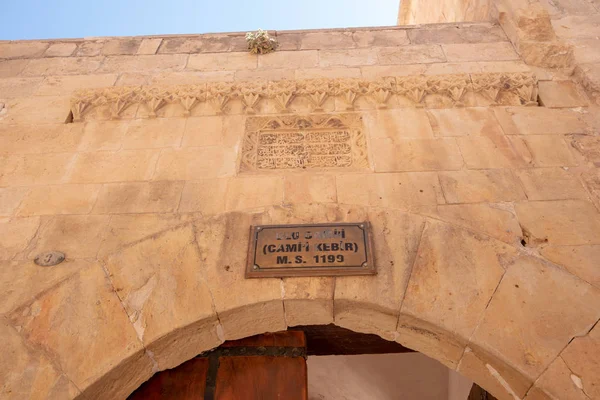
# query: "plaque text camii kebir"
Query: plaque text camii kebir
{"points": [[310, 250]]}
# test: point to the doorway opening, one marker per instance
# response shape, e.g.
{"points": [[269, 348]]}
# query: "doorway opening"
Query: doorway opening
{"points": [[319, 362]]}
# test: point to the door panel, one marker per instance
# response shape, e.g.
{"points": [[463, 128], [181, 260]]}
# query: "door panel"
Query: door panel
{"points": [[264, 367], [264, 378]]}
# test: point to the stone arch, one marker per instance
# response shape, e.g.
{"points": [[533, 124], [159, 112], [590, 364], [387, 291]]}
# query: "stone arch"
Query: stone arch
{"points": [[463, 293]]}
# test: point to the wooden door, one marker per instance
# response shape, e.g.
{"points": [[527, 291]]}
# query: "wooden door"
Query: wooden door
{"points": [[265, 367]]}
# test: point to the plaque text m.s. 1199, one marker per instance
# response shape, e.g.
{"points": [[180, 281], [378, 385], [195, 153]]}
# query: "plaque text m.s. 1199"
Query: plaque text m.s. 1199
{"points": [[310, 250]]}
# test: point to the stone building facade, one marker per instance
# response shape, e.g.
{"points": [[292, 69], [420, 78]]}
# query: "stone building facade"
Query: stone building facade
{"points": [[471, 147]]}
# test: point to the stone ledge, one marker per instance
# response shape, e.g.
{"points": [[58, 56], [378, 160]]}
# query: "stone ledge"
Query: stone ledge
{"points": [[432, 91], [471, 32]]}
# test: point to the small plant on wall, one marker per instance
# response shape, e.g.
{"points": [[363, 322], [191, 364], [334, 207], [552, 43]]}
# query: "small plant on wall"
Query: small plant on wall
{"points": [[260, 42]]}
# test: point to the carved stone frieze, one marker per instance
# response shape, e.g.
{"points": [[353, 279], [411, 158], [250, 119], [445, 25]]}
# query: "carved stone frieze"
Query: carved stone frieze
{"points": [[417, 90], [494, 85], [304, 142]]}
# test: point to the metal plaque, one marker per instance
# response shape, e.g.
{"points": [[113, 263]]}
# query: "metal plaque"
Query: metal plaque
{"points": [[310, 250]]}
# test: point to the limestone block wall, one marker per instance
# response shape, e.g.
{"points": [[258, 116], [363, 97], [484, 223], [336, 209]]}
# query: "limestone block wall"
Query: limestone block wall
{"points": [[141, 160], [430, 12]]}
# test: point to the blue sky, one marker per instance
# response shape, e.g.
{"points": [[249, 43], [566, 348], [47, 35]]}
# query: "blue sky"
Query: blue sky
{"points": [[44, 19]]}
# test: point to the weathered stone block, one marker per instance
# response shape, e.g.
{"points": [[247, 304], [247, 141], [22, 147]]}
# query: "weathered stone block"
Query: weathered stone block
{"points": [[97, 348], [124, 229], [539, 121], [449, 258], [581, 261], [78, 236], [89, 48], [365, 318], [518, 306], [546, 150], [398, 124], [16, 234], [588, 146], [390, 190], [103, 135], [575, 26], [556, 382], [253, 320], [558, 8], [203, 131], [108, 166], [580, 358], [66, 85], [327, 40], [485, 152], [494, 220], [416, 155], [10, 198], [476, 121], [59, 199], [276, 74], [62, 66], [28, 372], [372, 304], [219, 62], [413, 54], [19, 87], [349, 58], [308, 301], [10, 68], [181, 45], [149, 46], [22, 281], [336, 72], [480, 33], [431, 340], [155, 309], [245, 307], [566, 222], [378, 71], [37, 110], [144, 63], [24, 49], [206, 196], [121, 47], [588, 75], [493, 185], [499, 51], [154, 133], [493, 374], [551, 184], [381, 38], [556, 94], [310, 189], [147, 197], [289, 59], [548, 54], [34, 169], [194, 163], [289, 40], [254, 192], [60, 49]]}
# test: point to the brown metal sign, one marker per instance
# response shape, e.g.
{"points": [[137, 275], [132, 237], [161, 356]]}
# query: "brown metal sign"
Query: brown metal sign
{"points": [[310, 250]]}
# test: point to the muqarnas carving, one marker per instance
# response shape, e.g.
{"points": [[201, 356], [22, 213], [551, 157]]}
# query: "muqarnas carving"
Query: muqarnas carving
{"points": [[436, 91], [319, 141]]}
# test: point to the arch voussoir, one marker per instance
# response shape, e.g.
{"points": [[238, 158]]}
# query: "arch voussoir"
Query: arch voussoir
{"points": [[448, 290]]}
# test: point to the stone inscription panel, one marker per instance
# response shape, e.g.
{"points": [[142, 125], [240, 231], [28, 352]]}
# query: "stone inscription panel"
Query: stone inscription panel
{"points": [[304, 142], [310, 250]]}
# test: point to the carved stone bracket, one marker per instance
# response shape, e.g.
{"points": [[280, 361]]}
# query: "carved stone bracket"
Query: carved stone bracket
{"points": [[435, 91]]}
